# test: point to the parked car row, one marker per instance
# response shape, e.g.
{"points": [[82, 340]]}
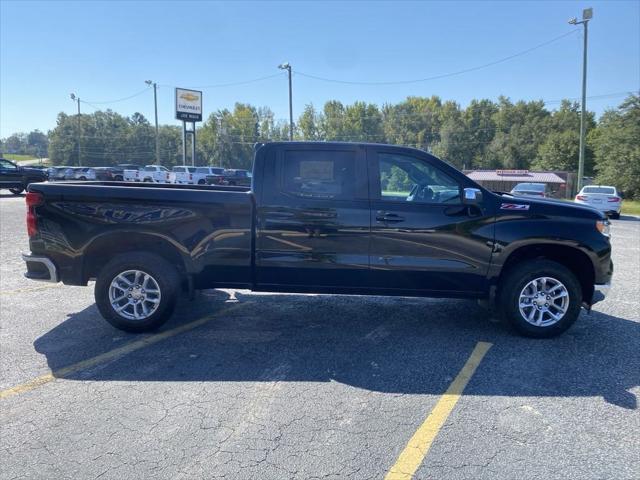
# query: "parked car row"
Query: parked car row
{"points": [[604, 198], [86, 173], [183, 175]]}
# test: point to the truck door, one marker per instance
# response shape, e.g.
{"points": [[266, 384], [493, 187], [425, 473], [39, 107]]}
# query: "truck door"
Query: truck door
{"points": [[313, 220], [422, 237], [10, 174]]}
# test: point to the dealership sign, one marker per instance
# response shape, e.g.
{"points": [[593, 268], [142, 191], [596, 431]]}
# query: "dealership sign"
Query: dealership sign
{"points": [[188, 105]]}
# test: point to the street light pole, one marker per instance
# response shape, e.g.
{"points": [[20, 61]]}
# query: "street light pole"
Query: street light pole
{"points": [[76, 98], [155, 104], [587, 14], [287, 66]]}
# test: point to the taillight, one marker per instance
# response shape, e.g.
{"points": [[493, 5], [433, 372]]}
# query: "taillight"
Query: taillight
{"points": [[190, 177], [613, 199], [33, 199], [581, 197]]}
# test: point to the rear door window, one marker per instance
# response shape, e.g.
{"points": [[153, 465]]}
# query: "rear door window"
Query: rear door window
{"points": [[319, 174]]}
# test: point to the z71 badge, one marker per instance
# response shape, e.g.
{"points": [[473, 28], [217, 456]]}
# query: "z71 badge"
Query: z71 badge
{"points": [[514, 206]]}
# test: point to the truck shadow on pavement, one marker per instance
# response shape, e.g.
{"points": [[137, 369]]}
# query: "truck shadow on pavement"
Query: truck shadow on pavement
{"points": [[382, 344]]}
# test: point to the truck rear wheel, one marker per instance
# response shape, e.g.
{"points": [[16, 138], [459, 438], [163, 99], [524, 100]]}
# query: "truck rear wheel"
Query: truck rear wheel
{"points": [[137, 291], [540, 298]]}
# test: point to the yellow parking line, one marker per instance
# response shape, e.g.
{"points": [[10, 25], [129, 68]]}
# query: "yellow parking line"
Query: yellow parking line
{"points": [[418, 446], [110, 355]]}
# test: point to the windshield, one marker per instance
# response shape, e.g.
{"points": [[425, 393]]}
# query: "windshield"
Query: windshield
{"points": [[530, 187]]}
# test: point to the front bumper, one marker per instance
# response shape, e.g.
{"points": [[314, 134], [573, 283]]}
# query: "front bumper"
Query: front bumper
{"points": [[600, 291], [41, 269]]}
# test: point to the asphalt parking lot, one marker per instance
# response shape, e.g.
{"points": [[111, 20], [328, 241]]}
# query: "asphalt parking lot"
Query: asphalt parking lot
{"points": [[243, 386]]}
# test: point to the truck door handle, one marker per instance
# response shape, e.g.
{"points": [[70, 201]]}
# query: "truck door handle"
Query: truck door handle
{"points": [[389, 217]]}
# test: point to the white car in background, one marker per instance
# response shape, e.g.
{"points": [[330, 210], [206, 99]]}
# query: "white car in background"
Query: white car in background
{"points": [[601, 197], [154, 173], [200, 176], [84, 173], [131, 175], [182, 175]]}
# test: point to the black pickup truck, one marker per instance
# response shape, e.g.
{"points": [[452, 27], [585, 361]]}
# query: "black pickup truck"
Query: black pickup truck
{"points": [[16, 178], [336, 218]]}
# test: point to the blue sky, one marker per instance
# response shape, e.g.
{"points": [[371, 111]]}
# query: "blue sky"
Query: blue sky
{"points": [[104, 51]]}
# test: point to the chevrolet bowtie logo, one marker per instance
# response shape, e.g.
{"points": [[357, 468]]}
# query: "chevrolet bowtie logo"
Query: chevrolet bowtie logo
{"points": [[189, 97]]}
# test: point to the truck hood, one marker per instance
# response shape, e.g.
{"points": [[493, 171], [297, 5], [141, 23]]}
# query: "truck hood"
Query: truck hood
{"points": [[551, 206]]}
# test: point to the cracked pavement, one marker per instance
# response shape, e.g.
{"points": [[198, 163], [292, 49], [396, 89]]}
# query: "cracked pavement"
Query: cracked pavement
{"points": [[313, 386]]}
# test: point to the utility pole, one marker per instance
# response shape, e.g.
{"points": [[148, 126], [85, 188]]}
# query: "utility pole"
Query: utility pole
{"points": [[76, 98], [587, 14], [155, 104], [287, 66]]}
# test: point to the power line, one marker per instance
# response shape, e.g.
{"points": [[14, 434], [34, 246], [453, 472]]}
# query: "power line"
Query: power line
{"points": [[444, 75], [117, 100], [595, 97], [219, 85], [233, 84]]}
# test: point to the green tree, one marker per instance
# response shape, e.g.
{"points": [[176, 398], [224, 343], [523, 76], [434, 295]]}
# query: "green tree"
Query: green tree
{"points": [[480, 128], [332, 121], [16, 143], [616, 144], [309, 124], [37, 143], [520, 130], [560, 149], [415, 122]]}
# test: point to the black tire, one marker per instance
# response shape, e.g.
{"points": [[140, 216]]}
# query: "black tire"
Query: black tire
{"points": [[163, 273], [515, 280], [17, 190], [118, 178], [147, 180], [615, 215], [201, 182], [83, 178]]}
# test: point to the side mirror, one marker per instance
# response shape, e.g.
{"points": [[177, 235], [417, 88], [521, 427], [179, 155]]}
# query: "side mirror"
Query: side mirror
{"points": [[472, 196]]}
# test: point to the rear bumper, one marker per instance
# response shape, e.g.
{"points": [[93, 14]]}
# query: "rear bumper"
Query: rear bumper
{"points": [[603, 207], [41, 269]]}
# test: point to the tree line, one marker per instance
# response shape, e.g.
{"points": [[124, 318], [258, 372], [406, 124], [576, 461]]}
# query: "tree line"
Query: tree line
{"points": [[486, 134]]}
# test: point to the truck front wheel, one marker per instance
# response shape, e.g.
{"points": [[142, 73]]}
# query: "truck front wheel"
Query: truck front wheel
{"points": [[540, 298], [137, 291]]}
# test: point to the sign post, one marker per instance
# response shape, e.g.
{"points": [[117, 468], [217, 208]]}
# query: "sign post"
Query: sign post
{"points": [[188, 109]]}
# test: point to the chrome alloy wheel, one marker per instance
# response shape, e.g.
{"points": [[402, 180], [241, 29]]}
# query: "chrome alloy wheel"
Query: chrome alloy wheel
{"points": [[544, 301], [134, 294]]}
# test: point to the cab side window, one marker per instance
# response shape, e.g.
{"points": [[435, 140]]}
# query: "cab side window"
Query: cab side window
{"points": [[409, 179], [319, 174], [6, 165]]}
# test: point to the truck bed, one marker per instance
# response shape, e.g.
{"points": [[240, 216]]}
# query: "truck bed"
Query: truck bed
{"points": [[205, 225]]}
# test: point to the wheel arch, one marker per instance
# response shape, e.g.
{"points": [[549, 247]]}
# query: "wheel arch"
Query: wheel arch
{"points": [[571, 257], [103, 248]]}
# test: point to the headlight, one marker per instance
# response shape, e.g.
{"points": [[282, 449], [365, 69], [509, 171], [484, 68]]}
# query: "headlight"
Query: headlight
{"points": [[603, 227]]}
